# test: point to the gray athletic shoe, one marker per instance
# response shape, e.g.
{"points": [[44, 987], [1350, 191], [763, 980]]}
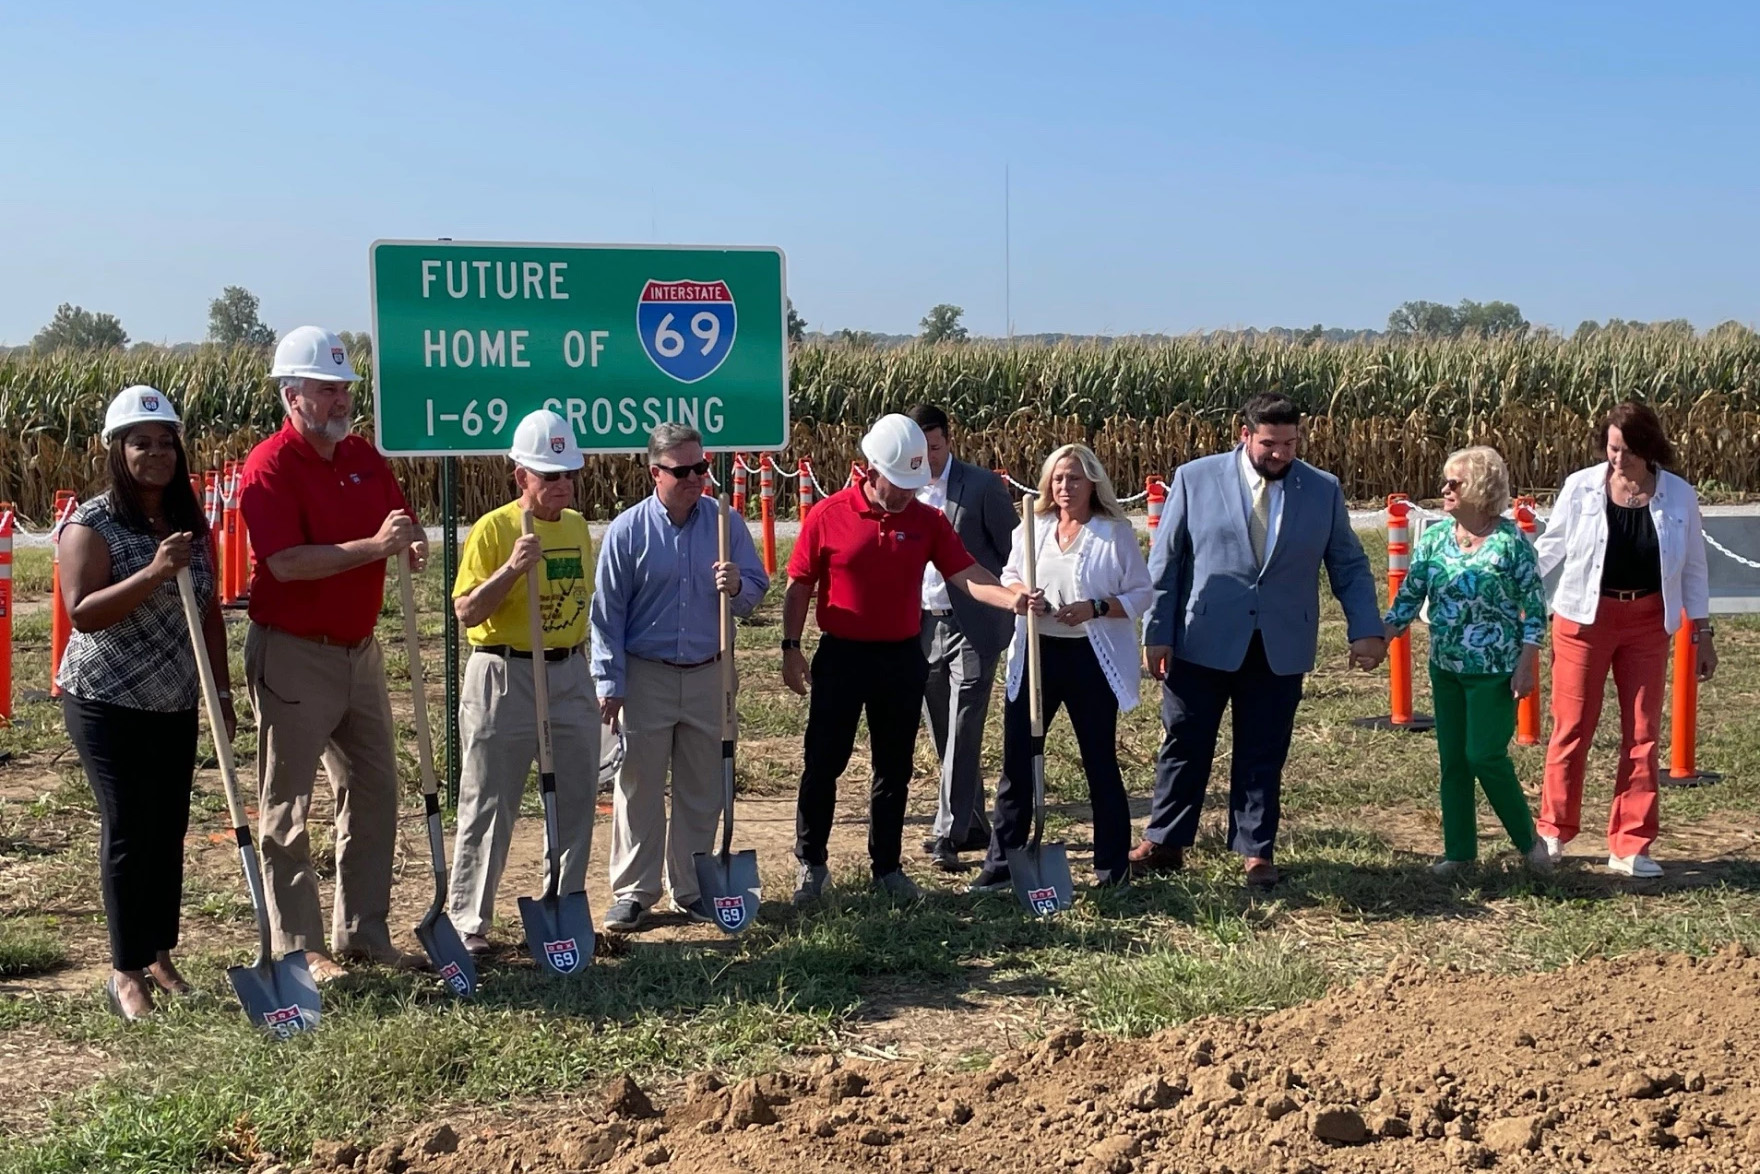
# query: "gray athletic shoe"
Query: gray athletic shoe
{"points": [[810, 883], [898, 886], [625, 916]]}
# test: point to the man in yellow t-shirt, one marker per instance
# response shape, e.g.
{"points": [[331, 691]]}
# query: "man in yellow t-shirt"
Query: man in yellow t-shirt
{"points": [[497, 710]]}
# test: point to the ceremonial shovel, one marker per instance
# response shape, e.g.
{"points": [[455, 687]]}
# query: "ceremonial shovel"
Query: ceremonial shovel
{"points": [[278, 995], [1040, 872], [728, 880], [439, 937], [559, 928]]}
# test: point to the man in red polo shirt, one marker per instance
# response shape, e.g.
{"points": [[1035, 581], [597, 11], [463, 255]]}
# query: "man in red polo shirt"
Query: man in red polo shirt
{"points": [[863, 551], [324, 513]]}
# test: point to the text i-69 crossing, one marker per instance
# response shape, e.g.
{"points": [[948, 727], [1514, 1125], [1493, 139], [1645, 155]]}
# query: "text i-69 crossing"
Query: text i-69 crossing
{"points": [[470, 336]]}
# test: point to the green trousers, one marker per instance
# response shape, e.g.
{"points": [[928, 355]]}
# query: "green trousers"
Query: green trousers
{"points": [[1475, 719]]}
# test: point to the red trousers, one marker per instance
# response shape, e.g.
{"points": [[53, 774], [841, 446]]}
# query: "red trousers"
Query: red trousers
{"points": [[1628, 638]]}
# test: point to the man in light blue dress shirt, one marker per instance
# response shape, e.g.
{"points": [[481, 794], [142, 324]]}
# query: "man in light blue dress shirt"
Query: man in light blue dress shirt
{"points": [[656, 651]]}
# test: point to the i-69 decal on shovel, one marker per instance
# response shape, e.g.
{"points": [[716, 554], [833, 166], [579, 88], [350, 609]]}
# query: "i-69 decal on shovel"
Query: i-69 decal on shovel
{"points": [[687, 327]]}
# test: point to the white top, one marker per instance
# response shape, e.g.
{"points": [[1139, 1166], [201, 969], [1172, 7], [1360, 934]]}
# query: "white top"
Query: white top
{"points": [[934, 495], [1108, 564], [1056, 571], [1250, 480], [1576, 536]]}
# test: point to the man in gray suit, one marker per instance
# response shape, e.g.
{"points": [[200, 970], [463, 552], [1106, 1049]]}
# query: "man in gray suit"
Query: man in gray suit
{"points": [[1235, 620], [962, 638]]}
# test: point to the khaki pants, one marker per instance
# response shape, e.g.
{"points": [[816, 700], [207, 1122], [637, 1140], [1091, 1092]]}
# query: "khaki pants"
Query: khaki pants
{"points": [[498, 738], [671, 718], [323, 703]]}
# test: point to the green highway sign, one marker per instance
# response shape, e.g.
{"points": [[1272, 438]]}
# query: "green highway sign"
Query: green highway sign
{"points": [[470, 336]]}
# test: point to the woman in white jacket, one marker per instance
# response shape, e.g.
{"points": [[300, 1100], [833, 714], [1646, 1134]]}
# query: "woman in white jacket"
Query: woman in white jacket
{"points": [[1092, 572], [1632, 544]]}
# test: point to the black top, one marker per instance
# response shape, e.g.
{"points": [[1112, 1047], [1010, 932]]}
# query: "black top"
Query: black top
{"points": [[1634, 559]]}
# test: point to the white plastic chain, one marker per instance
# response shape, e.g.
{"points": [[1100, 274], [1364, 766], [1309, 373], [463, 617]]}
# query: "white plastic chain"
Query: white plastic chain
{"points": [[1726, 552]]}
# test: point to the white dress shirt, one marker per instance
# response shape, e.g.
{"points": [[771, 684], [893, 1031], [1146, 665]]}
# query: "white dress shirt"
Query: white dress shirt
{"points": [[934, 495], [1250, 479]]}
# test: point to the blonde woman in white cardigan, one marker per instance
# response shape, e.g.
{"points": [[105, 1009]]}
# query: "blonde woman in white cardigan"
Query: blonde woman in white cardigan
{"points": [[1092, 572]]}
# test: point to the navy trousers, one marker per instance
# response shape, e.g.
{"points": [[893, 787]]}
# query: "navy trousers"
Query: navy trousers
{"points": [[1192, 700]]}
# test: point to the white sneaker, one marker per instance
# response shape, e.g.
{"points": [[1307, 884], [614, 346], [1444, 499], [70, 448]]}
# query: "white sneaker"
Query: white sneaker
{"points": [[1447, 867], [1540, 857], [1554, 847], [1639, 865]]}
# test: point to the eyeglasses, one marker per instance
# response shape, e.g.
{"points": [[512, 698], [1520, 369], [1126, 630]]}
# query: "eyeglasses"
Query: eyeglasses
{"points": [[1452, 485], [700, 469], [545, 477]]}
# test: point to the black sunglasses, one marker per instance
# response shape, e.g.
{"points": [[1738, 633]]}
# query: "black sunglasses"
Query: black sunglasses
{"points": [[546, 477], [1452, 485], [700, 469]]}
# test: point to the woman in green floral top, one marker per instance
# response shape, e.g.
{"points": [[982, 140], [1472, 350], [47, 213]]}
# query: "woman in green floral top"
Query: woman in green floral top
{"points": [[1487, 617]]}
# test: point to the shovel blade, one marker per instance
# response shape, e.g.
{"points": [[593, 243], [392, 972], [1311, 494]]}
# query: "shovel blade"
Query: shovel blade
{"points": [[278, 995], [730, 889], [559, 932], [1041, 878], [445, 949]]}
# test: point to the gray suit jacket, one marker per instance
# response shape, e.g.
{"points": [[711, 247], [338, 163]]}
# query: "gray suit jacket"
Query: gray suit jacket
{"points": [[983, 515], [1210, 594]]}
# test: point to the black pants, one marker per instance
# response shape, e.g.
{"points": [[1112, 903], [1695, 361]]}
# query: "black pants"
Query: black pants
{"points": [[885, 679], [140, 765], [1072, 678], [1192, 699]]}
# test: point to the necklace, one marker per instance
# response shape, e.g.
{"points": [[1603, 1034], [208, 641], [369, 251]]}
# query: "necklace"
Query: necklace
{"points": [[1466, 539], [1630, 493]]}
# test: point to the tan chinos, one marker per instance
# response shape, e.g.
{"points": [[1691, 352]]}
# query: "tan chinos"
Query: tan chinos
{"points": [[671, 720], [325, 703], [498, 739]]}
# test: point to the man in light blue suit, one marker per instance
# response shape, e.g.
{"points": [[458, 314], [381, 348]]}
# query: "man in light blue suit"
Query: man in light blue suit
{"points": [[1235, 620]]}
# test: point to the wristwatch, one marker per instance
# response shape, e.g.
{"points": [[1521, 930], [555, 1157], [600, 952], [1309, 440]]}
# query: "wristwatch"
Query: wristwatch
{"points": [[790, 645], [1101, 607]]}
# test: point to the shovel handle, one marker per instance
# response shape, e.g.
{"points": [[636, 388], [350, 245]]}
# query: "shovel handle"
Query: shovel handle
{"points": [[1030, 574], [192, 617], [412, 647], [724, 540], [540, 675]]}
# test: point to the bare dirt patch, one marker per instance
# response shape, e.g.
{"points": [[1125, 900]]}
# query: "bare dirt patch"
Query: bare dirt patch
{"points": [[37, 1067], [1638, 1064]]}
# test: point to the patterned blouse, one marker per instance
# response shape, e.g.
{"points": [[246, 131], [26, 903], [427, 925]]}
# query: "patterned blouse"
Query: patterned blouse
{"points": [[145, 660], [1484, 604]]}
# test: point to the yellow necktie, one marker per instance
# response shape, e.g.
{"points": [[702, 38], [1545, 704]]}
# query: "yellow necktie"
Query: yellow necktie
{"points": [[1259, 526]]}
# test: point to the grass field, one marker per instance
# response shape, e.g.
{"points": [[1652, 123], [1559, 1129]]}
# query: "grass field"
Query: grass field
{"points": [[953, 980]]}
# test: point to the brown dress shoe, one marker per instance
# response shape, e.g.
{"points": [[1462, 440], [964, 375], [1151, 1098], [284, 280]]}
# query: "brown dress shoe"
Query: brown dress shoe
{"points": [[1261, 873], [1148, 857]]}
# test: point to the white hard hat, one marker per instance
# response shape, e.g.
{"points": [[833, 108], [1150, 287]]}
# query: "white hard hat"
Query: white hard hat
{"points": [[896, 449], [311, 352], [139, 404], [544, 443]]}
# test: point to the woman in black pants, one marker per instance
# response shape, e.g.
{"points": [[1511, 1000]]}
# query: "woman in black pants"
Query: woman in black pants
{"points": [[1092, 572], [129, 687]]}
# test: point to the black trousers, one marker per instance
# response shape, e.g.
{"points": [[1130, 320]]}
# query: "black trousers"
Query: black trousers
{"points": [[1192, 700], [140, 765], [1073, 679], [886, 680]]}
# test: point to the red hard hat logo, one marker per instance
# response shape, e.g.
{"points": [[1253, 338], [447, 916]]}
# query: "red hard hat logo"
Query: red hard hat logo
{"points": [[150, 403], [557, 444], [336, 355]]}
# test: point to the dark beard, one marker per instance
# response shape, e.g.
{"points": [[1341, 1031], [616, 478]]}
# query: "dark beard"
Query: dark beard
{"points": [[1268, 474]]}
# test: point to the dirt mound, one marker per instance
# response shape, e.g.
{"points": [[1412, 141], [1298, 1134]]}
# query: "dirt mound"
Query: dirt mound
{"points": [[1640, 1064]]}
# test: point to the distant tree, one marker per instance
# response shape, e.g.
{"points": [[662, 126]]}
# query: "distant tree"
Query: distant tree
{"points": [[1586, 329], [797, 326], [1490, 319], [233, 320], [76, 328], [359, 345], [1732, 331], [1674, 328], [860, 339], [941, 324], [1311, 335], [1424, 320]]}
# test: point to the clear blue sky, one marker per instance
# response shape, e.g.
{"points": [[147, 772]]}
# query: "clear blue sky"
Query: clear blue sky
{"points": [[1174, 166]]}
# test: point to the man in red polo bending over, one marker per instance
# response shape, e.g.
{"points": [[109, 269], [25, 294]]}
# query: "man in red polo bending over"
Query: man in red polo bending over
{"points": [[324, 513], [863, 551]]}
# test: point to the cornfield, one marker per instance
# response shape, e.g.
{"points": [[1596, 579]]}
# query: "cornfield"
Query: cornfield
{"points": [[1384, 415]]}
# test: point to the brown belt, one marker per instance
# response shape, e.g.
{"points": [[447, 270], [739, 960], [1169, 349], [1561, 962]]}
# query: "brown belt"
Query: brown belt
{"points": [[326, 640], [1628, 596]]}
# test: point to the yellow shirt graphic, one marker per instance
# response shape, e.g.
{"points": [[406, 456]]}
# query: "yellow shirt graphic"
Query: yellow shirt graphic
{"points": [[565, 578]]}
